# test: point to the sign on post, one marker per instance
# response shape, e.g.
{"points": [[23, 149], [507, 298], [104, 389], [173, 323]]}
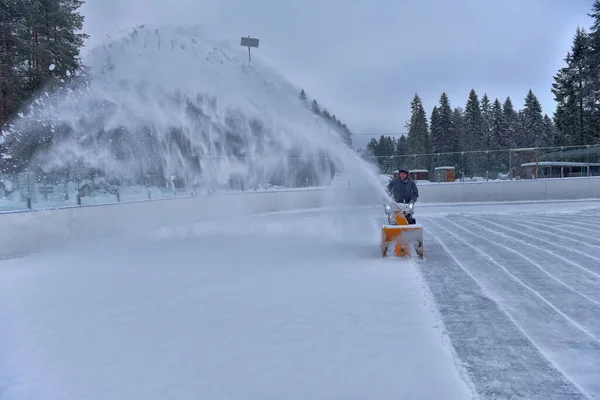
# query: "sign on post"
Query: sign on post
{"points": [[249, 42]]}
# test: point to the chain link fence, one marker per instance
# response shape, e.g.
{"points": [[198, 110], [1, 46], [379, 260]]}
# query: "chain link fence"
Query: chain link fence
{"points": [[526, 163]]}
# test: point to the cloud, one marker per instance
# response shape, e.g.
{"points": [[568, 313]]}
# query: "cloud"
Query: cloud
{"points": [[364, 60]]}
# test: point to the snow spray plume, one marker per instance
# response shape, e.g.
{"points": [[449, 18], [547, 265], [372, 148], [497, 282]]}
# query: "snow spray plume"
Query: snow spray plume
{"points": [[170, 104]]}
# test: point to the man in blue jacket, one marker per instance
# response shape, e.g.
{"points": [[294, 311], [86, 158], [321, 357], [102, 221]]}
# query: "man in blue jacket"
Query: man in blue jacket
{"points": [[403, 189]]}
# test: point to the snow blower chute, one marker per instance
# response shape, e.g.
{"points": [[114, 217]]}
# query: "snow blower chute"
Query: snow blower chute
{"points": [[401, 235]]}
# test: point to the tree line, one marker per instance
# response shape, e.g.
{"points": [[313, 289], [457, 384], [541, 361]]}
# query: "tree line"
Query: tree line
{"points": [[341, 127], [482, 125], [494, 125]]}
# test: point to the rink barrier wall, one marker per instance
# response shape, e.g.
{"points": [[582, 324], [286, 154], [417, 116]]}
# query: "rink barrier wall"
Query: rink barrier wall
{"points": [[514, 190], [25, 232], [30, 231]]}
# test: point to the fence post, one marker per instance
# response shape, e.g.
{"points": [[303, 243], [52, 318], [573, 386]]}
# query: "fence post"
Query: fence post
{"points": [[29, 191]]}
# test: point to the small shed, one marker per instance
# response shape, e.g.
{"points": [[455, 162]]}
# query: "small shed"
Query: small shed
{"points": [[444, 174], [419, 174]]}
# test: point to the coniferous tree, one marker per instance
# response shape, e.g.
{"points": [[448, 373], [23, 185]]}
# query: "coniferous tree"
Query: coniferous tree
{"points": [[551, 132], [458, 118], [418, 133], [402, 146], [302, 95], [486, 115], [39, 48], [372, 147], [473, 137], [315, 107], [449, 140], [498, 135], [55, 44], [570, 88], [534, 132], [593, 74], [436, 132], [446, 139], [473, 134], [498, 159], [511, 119]]}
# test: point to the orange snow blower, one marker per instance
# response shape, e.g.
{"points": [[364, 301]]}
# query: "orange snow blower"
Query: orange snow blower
{"points": [[401, 234]]}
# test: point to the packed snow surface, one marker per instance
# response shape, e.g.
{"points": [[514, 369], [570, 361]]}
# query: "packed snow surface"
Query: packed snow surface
{"points": [[294, 306], [300, 305]]}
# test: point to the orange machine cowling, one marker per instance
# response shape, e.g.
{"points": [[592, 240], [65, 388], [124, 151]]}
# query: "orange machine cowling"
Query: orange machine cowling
{"points": [[402, 236]]}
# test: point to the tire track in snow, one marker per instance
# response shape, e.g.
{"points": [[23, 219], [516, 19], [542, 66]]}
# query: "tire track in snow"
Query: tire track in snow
{"points": [[575, 309], [586, 231], [582, 248], [501, 360], [585, 280], [568, 348], [560, 227], [591, 220]]}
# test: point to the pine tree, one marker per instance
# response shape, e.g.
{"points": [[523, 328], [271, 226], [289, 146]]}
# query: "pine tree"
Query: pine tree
{"points": [[474, 130], [302, 95], [13, 58], [56, 42], [40, 42], [458, 119], [448, 140], [401, 146], [456, 160], [570, 88], [436, 132], [401, 152], [511, 119], [315, 107], [593, 73], [498, 160], [418, 133], [486, 114], [533, 123], [551, 132], [372, 147], [498, 135], [474, 138]]}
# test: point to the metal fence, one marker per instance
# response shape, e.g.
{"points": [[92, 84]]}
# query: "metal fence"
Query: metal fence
{"points": [[524, 163], [29, 190]]}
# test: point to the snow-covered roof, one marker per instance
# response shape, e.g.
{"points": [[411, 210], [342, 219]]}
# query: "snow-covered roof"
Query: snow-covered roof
{"points": [[440, 168], [418, 170], [560, 164]]}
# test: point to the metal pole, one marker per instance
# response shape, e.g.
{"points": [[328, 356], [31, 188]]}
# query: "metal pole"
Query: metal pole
{"points": [[249, 60]]}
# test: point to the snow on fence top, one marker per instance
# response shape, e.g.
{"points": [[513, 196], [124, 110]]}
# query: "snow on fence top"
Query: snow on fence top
{"points": [[560, 164]]}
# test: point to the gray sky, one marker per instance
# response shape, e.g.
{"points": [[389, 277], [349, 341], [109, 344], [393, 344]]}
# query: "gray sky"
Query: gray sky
{"points": [[364, 60]]}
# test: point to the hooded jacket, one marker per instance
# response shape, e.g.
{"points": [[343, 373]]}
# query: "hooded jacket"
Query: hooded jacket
{"points": [[403, 191]]}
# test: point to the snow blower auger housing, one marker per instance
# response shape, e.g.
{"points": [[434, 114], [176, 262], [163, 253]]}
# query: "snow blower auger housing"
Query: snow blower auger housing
{"points": [[401, 235]]}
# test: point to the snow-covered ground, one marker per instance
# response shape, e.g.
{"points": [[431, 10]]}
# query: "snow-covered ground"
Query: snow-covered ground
{"points": [[300, 305], [290, 306]]}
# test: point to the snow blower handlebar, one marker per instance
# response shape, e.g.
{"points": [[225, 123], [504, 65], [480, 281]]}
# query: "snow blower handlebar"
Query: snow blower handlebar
{"points": [[391, 206]]}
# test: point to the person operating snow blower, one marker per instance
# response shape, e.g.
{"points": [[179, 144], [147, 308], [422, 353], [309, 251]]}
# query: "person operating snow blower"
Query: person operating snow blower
{"points": [[404, 190], [401, 235]]}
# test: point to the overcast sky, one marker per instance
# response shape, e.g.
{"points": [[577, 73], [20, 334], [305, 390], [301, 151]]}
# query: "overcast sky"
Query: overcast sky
{"points": [[364, 60]]}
